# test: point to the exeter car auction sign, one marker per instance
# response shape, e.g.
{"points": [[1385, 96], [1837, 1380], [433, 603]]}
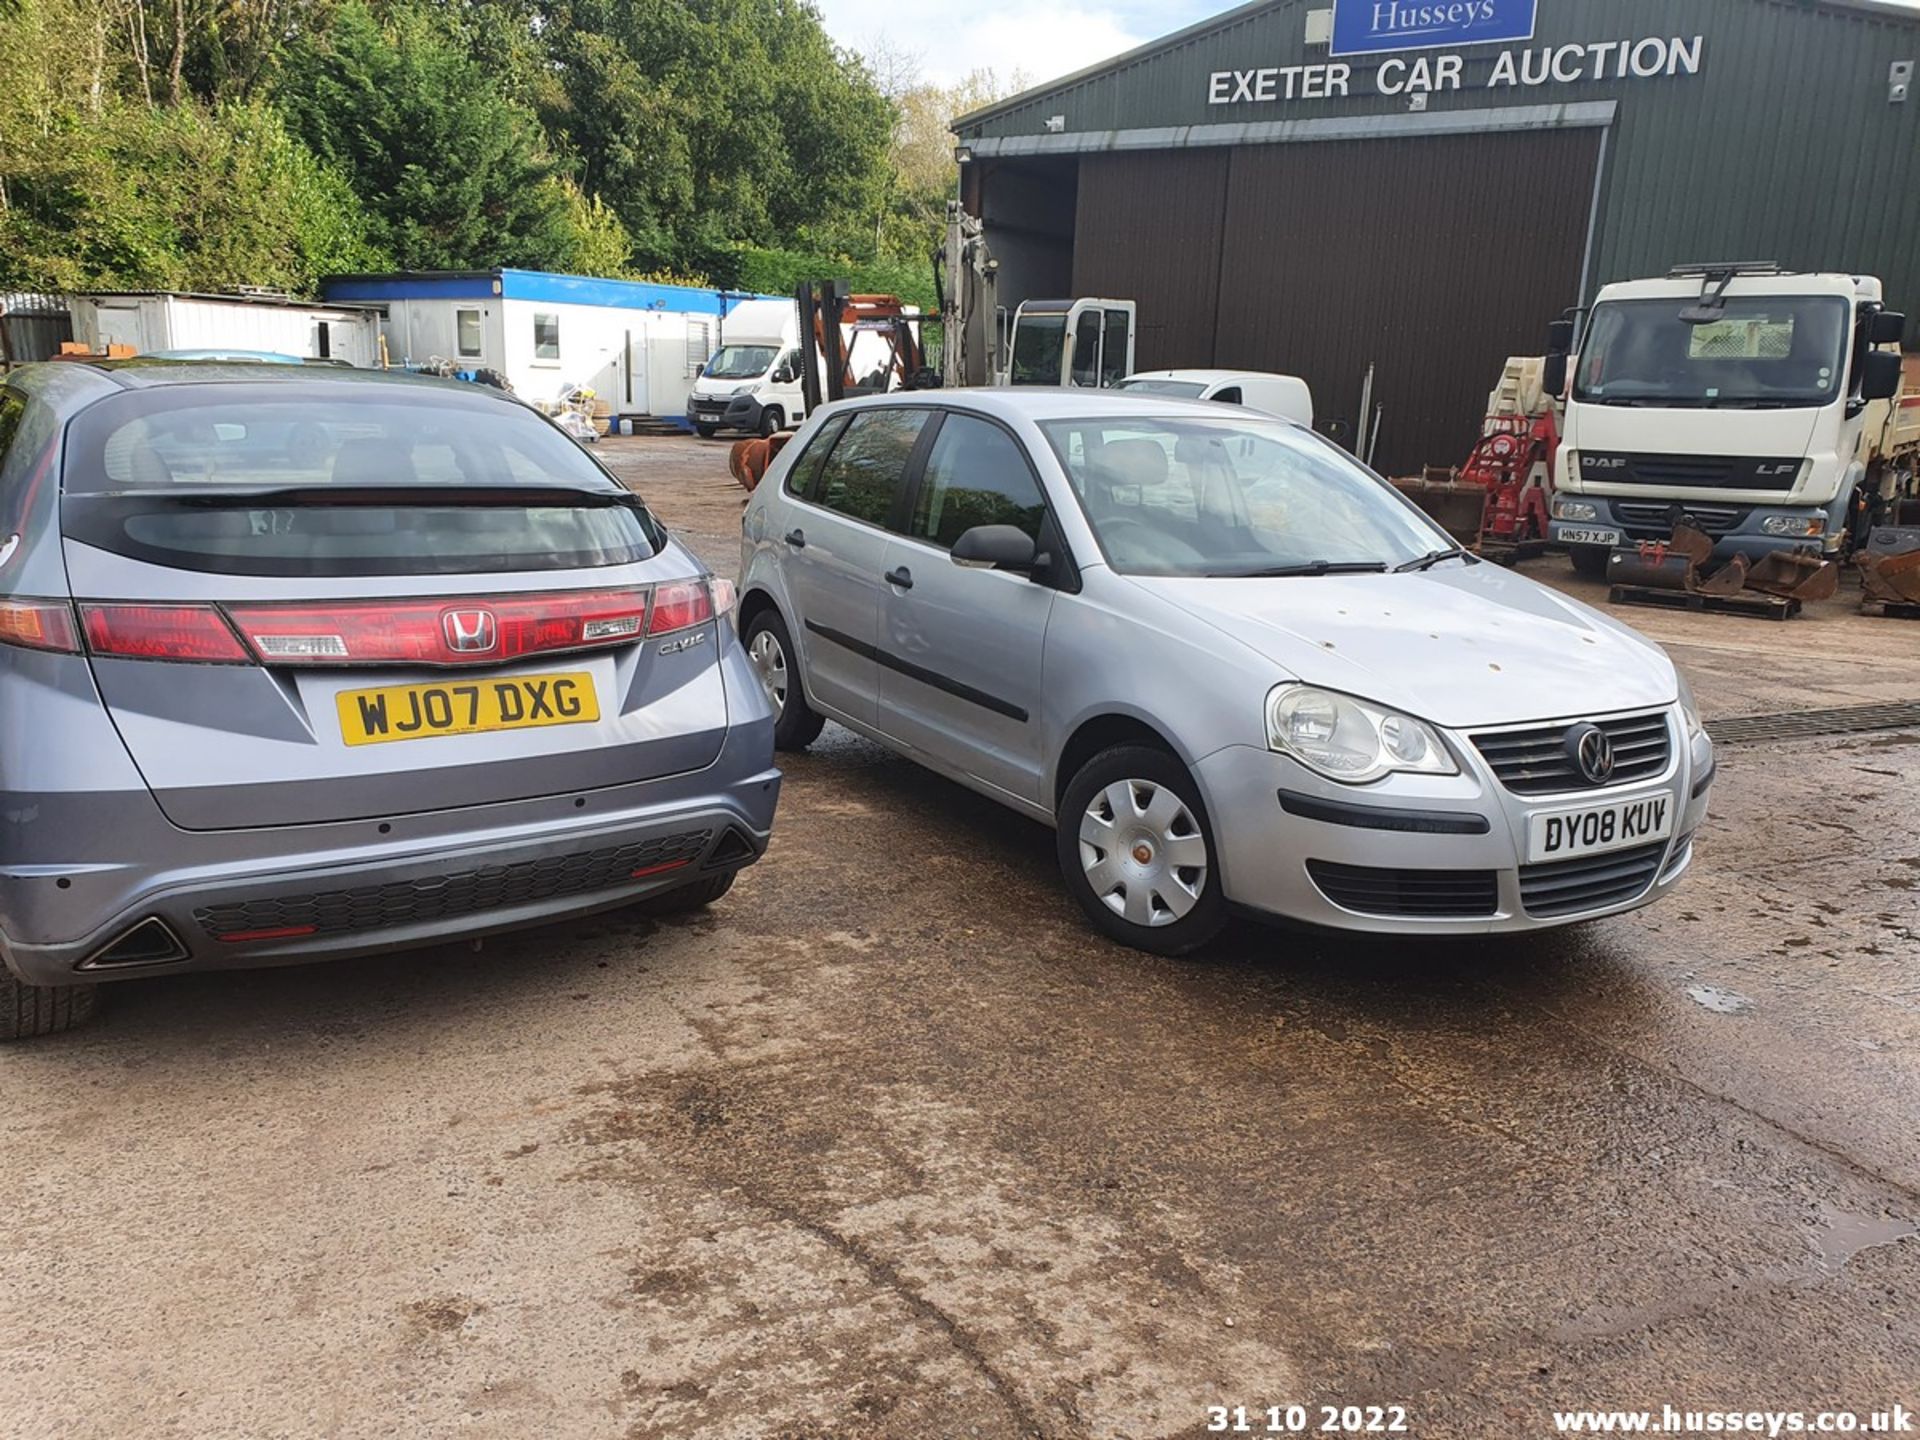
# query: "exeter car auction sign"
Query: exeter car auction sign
{"points": [[1516, 67], [1367, 27]]}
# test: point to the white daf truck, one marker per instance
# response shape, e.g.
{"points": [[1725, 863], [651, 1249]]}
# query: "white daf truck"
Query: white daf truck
{"points": [[1757, 404]]}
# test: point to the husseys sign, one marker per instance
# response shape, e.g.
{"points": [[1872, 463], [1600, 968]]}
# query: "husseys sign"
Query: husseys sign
{"points": [[1368, 27], [1514, 68]]}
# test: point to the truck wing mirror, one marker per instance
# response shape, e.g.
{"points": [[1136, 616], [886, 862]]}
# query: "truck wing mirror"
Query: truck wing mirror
{"points": [[1560, 336], [1886, 328], [1553, 374], [995, 547], [1879, 376]]}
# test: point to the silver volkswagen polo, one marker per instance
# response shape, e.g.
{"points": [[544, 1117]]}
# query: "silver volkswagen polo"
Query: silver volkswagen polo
{"points": [[301, 663], [1229, 665]]}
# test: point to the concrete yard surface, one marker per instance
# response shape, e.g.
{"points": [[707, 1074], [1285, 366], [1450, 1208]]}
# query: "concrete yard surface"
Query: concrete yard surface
{"points": [[889, 1143]]}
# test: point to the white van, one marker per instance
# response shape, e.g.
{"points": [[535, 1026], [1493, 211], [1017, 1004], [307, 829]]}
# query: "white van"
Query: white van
{"points": [[1285, 396], [752, 383]]}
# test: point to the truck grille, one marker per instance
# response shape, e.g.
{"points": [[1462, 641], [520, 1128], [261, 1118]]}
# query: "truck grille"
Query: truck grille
{"points": [[1536, 761], [454, 894], [1695, 472], [1655, 519], [1593, 882], [1409, 894]]}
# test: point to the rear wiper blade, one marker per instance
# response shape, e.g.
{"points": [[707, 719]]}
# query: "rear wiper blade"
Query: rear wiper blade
{"points": [[1311, 567], [1433, 558]]}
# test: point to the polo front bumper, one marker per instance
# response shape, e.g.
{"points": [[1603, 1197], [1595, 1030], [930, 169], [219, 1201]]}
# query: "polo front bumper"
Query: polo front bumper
{"points": [[1430, 855]]}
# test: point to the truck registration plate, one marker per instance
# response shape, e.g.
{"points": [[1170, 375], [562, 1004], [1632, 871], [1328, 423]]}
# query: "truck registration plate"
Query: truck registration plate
{"points": [[1580, 535], [1596, 829]]}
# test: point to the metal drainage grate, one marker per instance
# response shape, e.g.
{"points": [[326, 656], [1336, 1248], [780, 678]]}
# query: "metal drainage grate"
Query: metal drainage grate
{"points": [[1805, 724]]}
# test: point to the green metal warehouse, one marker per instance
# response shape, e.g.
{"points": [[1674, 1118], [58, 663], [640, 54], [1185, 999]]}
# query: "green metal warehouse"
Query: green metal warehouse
{"points": [[1421, 185]]}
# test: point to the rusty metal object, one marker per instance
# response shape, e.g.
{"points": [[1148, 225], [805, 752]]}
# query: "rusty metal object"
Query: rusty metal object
{"points": [[1890, 565], [1796, 574], [1729, 579], [1692, 542], [1457, 507], [1652, 565], [749, 460]]}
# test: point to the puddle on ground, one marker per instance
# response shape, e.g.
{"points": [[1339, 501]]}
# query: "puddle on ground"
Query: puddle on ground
{"points": [[1721, 1002], [1848, 1234]]}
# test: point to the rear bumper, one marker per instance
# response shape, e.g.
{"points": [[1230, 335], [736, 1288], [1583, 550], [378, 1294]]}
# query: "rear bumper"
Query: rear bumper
{"points": [[311, 892]]}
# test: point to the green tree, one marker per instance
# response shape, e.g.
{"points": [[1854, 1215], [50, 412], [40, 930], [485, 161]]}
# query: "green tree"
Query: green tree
{"points": [[456, 173], [182, 198]]}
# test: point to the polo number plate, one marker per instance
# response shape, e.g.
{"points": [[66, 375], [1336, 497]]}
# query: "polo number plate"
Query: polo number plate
{"points": [[465, 707], [1569, 834]]}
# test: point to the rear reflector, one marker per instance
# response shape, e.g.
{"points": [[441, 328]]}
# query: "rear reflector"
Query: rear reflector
{"points": [[162, 632], [38, 625], [678, 606], [482, 631], [646, 870], [285, 932]]}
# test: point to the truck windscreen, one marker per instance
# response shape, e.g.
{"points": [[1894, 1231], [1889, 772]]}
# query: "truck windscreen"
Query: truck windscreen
{"points": [[1037, 343], [741, 362], [1764, 352]]}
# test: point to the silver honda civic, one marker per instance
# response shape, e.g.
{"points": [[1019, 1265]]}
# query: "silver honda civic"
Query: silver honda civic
{"points": [[303, 663], [1231, 666]]}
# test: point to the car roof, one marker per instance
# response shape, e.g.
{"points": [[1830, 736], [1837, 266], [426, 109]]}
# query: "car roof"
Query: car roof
{"points": [[143, 372], [1046, 402]]}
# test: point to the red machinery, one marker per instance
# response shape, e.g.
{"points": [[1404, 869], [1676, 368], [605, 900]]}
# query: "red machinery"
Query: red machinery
{"points": [[1500, 501]]}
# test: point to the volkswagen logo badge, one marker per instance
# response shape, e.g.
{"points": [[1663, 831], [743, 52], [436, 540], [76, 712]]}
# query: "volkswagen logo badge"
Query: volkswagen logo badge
{"points": [[1592, 751], [470, 631]]}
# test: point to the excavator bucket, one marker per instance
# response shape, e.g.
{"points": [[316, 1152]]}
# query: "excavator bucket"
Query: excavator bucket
{"points": [[1890, 564], [1893, 578], [1796, 574], [1458, 509], [1729, 579]]}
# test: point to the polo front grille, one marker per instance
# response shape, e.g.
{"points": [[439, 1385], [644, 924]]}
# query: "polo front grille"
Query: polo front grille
{"points": [[455, 894], [1538, 760], [1570, 887], [1408, 894]]}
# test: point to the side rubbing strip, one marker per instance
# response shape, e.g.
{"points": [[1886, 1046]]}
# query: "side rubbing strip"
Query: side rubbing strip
{"points": [[922, 674]]}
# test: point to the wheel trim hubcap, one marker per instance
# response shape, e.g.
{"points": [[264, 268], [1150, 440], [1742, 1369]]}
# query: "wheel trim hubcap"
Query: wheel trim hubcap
{"points": [[1143, 853], [770, 661]]}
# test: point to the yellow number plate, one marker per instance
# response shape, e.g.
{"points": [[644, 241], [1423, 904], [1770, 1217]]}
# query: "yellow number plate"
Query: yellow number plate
{"points": [[465, 707]]}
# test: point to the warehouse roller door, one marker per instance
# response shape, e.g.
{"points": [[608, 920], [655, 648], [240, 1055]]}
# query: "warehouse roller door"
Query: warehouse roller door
{"points": [[1433, 259]]}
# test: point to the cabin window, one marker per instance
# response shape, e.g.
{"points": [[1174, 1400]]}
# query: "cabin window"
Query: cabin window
{"points": [[546, 337], [466, 325]]}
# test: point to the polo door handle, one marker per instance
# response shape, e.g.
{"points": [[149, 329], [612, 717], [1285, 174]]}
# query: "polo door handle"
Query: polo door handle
{"points": [[797, 539], [901, 577]]}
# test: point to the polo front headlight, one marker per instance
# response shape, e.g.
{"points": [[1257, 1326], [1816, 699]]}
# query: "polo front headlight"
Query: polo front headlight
{"points": [[1351, 740]]}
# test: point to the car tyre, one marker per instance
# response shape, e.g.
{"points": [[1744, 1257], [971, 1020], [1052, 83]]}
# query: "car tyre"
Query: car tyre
{"points": [[30, 1010], [771, 422], [1589, 560], [694, 895], [706, 432], [796, 724], [1137, 851]]}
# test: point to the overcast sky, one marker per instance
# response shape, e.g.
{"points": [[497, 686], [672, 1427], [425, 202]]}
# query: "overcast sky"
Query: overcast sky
{"points": [[1036, 38]]}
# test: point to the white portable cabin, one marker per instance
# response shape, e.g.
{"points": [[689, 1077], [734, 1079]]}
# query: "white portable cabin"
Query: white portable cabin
{"points": [[639, 346], [178, 320]]}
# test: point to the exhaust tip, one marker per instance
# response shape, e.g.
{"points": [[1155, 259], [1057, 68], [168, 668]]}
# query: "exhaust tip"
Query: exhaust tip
{"points": [[150, 942], [734, 848]]}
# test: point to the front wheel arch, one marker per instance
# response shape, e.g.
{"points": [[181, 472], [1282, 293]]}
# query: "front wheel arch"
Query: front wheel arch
{"points": [[1104, 732]]}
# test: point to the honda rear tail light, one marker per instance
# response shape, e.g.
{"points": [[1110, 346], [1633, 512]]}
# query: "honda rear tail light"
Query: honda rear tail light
{"points": [[480, 631], [38, 625], [679, 605], [162, 632]]}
